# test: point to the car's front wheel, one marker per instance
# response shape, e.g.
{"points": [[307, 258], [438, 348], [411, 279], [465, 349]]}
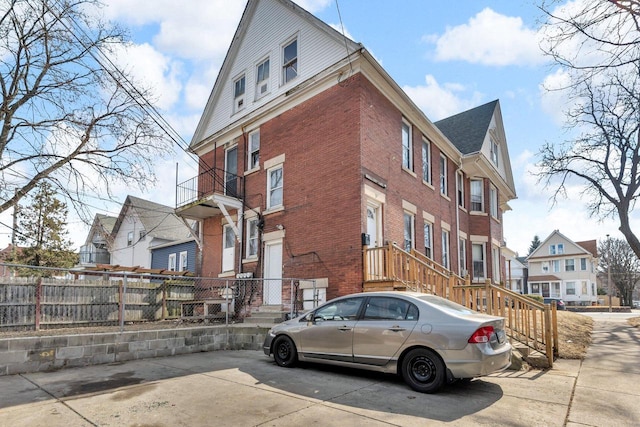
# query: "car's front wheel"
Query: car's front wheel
{"points": [[284, 351], [423, 370]]}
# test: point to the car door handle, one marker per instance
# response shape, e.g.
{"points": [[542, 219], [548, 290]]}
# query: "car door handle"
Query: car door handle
{"points": [[344, 328], [397, 329]]}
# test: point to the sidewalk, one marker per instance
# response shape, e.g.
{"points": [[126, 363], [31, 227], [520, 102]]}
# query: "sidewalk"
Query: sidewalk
{"points": [[245, 388], [607, 390]]}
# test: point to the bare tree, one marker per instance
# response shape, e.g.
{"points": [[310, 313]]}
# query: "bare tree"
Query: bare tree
{"points": [[67, 115], [625, 267], [596, 46]]}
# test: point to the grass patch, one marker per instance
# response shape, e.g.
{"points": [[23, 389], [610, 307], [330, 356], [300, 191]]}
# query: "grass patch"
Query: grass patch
{"points": [[574, 334]]}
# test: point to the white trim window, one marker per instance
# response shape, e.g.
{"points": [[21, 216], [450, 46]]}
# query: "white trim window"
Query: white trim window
{"points": [[275, 187], [171, 265], [238, 93], [478, 259], [253, 160], [496, 264], [183, 261], [130, 238], [570, 288], [407, 146], [426, 161], [462, 257], [409, 231], [262, 78], [428, 239], [583, 264], [443, 174], [570, 264], [290, 61], [445, 249], [477, 199], [460, 189], [493, 201], [556, 265], [494, 152], [545, 266], [252, 238]]}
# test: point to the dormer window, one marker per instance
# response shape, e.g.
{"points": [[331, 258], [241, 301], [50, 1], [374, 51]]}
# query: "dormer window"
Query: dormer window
{"points": [[290, 61], [238, 94], [262, 78], [494, 152]]}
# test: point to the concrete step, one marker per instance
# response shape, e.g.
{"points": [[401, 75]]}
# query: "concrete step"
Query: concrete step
{"points": [[533, 358], [265, 318]]}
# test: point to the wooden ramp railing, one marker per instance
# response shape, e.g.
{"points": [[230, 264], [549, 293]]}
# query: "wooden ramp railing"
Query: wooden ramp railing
{"points": [[527, 321]]}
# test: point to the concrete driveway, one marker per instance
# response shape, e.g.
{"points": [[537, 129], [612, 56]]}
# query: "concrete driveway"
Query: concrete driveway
{"points": [[245, 388]]}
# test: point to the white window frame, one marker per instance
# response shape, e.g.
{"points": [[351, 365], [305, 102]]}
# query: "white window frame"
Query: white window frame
{"points": [[493, 201], [271, 189], [292, 63], [496, 264], [426, 160], [474, 260], [494, 152], [460, 188], [583, 264], [443, 175], [171, 262], [130, 238], [239, 97], [445, 249], [560, 248], [407, 145], [475, 196], [570, 286], [252, 238], [462, 257], [555, 266], [253, 162], [552, 249], [545, 266], [569, 264], [262, 78], [428, 239], [183, 261], [408, 220]]}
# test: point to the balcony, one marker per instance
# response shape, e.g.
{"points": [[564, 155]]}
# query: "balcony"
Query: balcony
{"points": [[209, 194]]}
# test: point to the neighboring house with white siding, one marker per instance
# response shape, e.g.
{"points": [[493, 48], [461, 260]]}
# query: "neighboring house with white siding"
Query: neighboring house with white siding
{"points": [[141, 226], [565, 269]]}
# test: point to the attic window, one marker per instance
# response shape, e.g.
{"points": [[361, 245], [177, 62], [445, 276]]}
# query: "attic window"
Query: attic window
{"points": [[494, 152], [238, 94], [290, 61], [262, 78]]}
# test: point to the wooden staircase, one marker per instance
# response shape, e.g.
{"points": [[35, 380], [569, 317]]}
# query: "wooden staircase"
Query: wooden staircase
{"points": [[528, 323]]}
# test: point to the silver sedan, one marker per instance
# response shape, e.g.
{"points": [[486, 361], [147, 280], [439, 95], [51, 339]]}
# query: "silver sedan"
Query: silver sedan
{"points": [[426, 339]]}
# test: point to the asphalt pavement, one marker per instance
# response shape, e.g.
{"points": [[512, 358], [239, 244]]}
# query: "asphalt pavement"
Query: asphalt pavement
{"points": [[245, 388]]}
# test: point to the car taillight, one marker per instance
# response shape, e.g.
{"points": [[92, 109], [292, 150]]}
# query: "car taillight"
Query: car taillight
{"points": [[481, 335]]}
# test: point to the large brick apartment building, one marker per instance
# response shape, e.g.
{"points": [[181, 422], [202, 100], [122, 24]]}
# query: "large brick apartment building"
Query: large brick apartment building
{"points": [[309, 149]]}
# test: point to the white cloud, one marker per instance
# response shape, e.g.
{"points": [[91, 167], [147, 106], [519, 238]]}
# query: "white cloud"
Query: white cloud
{"points": [[489, 38], [198, 30], [439, 101]]}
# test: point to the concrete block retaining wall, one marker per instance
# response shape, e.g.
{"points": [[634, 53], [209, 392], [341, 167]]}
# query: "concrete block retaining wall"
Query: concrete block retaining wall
{"points": [[34, 354]]}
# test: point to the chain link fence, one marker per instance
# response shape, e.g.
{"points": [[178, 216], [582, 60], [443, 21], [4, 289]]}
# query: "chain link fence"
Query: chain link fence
{"points": [[34, 298]]}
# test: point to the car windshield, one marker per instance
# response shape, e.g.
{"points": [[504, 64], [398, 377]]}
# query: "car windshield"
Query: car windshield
{"points": [[446, 304]]}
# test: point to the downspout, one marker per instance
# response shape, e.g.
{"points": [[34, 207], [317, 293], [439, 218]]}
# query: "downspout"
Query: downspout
{"points": [[458, 216]]}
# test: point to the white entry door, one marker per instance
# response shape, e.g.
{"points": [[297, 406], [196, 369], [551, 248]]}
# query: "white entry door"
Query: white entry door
{"points": [[228, 249], [273, 273], [373, 225]]}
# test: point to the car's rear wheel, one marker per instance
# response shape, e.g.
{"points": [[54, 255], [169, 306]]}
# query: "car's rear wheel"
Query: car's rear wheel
{"points": [[284, 352], [423, 370]]}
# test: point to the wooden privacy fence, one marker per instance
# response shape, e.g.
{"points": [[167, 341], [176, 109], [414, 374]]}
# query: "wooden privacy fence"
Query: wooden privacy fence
{"points": [[527, 321], [52, 302]]}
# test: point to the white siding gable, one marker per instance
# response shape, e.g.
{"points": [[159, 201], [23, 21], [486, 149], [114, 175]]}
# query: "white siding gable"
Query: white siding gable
{"points": [[272, 25]]}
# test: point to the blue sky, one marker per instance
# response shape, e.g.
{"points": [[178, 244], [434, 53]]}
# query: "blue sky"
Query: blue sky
{"points": [[448, 56]]}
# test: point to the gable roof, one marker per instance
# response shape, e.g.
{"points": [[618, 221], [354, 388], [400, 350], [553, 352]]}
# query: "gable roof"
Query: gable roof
{"points": [[225, 70], [467, 130], [588, 246], [159, 221]]}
